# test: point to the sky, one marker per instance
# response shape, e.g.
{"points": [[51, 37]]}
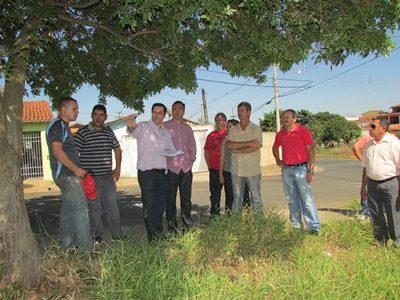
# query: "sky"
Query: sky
{"points": [[359, 85]]}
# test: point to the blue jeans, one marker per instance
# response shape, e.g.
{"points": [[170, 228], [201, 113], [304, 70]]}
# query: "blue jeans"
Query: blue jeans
{"points": [[74, 218], [364, 207], [184, 182], [154, 187], [215, 191], [229, 192], [299, 195], [253, 183], [107, 201]]}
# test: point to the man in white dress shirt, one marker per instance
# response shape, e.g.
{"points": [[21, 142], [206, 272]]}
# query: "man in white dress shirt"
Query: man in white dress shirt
{"points": [[381, 163]]}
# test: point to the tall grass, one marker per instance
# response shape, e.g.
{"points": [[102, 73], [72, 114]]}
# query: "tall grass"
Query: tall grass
{"points": [[253, 257], [245, 256], [336, 152]]}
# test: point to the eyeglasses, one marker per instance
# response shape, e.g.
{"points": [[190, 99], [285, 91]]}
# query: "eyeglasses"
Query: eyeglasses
{"points": [[373, 126]]}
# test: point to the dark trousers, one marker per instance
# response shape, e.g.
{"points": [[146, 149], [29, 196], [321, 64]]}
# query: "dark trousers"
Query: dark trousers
{"points": [[385, 196], [229, 192], [215, 190], [154, 187], [183, 181]]}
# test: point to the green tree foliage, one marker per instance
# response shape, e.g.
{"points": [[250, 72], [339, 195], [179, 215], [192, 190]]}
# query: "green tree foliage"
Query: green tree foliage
{"points": [[268, 123], [330, 129], [132, 49], [326, 128], [353, 132], [304, 117]]}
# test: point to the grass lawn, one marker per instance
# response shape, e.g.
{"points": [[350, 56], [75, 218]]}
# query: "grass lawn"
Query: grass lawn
{"points": [[245, 256]]}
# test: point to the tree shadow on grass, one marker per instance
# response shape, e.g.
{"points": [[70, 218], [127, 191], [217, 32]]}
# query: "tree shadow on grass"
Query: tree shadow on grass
{"points": [[344, 212]]}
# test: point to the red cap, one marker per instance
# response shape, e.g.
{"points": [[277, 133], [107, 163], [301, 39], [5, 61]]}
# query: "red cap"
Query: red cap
{"points": [[89, 186]]}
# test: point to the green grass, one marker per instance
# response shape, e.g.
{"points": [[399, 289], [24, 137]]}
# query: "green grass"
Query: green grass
{"points": [[253, 257], [244, 256], [335, 152]]}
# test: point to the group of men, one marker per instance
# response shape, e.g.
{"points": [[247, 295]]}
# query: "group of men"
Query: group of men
{"points": [[71, 158], [244, 140], [166, 153]]}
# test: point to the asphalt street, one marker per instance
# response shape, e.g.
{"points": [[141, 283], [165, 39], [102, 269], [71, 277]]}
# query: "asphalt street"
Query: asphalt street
{"points": [[337, 181]]}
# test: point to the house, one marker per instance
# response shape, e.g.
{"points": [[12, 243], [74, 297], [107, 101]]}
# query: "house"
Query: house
{"points": [[394, 118], [36, 115]]}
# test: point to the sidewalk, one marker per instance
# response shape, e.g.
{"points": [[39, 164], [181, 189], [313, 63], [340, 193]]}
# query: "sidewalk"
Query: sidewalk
{"points": [[43, 186]]}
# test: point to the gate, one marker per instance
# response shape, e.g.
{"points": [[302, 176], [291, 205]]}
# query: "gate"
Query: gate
{"points": [[32, 166]]}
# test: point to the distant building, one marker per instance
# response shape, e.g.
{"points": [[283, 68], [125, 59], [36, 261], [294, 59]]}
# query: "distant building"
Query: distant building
{"points": [[36, 115], [394, 118], [366, 118]]}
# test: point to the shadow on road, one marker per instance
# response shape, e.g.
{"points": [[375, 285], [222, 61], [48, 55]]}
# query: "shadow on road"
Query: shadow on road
{"points": [[44, 214]]}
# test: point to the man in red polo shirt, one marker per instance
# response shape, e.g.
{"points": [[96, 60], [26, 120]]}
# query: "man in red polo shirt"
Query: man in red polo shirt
{"points": [[212, 153], [297, 171]]}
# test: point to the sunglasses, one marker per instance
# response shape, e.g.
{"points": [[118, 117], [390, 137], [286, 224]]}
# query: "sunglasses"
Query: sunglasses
{"points": [[373, 126]]}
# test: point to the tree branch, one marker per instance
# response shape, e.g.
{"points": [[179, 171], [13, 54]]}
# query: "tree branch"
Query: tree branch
{"points": [[76, 6], [112, 32]]}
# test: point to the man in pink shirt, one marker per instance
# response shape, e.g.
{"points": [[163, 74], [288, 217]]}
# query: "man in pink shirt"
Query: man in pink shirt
{"points": [[297, 165], [357, 150], [180, 168], [153, 140]]}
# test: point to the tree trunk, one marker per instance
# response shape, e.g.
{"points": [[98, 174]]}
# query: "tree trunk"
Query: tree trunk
{"points": [[20, 257]]}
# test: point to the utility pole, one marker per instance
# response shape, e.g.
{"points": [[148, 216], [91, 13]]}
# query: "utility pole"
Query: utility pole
{"points": [[233, 114], [205, 113], [278, 118]]}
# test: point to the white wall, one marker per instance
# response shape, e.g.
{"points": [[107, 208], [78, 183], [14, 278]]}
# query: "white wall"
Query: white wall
{"points": [[129, 150]]}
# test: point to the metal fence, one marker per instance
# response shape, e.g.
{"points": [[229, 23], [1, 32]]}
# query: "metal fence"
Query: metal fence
{"points": [[32, 166]]}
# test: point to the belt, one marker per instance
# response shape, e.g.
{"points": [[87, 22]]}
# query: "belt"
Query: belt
{"points": [[297, 165], [384, 180], [158, 170]]}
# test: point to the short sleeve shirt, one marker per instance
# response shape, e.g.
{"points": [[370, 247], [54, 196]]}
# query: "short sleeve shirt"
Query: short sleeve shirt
{"points": [[294, 144], [213, 146], [96, 148], [382, 159], [247, 164], [59, 131]]}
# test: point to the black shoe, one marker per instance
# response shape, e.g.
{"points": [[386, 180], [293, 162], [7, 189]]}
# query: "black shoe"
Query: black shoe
{"points": [[314, 232], [98, 240]]}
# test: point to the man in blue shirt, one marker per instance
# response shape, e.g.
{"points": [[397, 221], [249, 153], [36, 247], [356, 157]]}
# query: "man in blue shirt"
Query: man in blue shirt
{"points": [[67, 174]]}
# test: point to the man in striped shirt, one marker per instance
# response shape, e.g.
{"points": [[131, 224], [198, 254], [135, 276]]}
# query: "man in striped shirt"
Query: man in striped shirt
{"points": [[95, 143]]}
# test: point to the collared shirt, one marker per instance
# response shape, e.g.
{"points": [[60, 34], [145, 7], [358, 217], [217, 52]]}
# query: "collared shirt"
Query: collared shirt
{"points": [[382, 160], [95, 148], [213, 146], [294, 144], [59, 131], [183, 139], [248, 164], [151, 140]]}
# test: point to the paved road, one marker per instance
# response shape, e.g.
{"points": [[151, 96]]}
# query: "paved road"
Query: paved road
{"points": [[337, 182]]}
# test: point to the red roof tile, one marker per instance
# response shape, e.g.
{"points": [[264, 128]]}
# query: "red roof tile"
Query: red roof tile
{"points": [[35, 111]]}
